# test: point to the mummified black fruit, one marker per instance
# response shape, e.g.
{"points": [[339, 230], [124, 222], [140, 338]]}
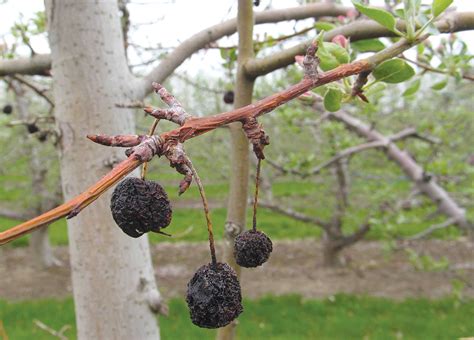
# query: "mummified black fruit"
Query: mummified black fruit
{"points": [[7, 109], [252, 248], [229, 97], [32, 128], [214, 298], [139, 206]]}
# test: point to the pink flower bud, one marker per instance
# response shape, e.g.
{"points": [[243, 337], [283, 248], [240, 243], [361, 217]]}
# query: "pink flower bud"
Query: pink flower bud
{"points": [[299, 59], [340, 40], [341, 18], [352, 13]]}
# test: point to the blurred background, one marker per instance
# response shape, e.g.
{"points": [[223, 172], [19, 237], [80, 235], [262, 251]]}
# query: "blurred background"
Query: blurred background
{"points": [[359, 250]]}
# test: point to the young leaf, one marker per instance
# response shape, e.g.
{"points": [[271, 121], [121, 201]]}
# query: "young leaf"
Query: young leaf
{"points": [[383, 17], [393, 71], [368, 45], [323, 26], [331, 55], [440, 85], [412, 89], [439, 6], [332, 100]]}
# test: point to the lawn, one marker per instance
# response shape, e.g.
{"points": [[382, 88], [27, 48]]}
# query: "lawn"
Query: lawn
{"points": [[285, 317]]}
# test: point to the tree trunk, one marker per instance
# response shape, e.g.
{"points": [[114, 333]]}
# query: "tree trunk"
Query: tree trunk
{"points": [[41, 252], [239, 177], [112, 274], [331, 253]]}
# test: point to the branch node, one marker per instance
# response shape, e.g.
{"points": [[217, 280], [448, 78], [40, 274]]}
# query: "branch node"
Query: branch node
{"points": [[311, 62], [362, 79], [256, 136], [176, 113], [178, 159]]}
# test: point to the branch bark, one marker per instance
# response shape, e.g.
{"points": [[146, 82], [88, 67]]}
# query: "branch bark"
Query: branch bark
{"points": [[38, 64], [415, 172], [294, 214], [358, 30], [196, 126]]}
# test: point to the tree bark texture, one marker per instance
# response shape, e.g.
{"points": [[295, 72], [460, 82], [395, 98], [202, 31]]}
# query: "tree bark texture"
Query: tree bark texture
{"points": [[112, 274]]}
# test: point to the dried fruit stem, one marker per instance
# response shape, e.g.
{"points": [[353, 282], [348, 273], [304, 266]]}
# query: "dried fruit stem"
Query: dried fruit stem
{"points": [[255, 200], [150, 133], [206, 212]]}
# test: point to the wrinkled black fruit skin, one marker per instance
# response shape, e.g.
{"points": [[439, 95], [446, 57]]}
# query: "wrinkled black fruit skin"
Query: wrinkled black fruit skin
{"points": [[139, 206], [7, 109], [229, 97], [252, 248], [214, 297]]}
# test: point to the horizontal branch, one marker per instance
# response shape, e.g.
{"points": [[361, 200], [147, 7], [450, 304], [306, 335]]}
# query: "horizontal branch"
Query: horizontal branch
{"points": [[194, 127], [429, 68], [278, 208], [15, 215], [358, 30], [81, 201], [200, 40], [38, 64]]}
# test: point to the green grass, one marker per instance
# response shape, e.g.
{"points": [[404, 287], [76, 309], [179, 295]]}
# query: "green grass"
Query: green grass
{"points": [[286, 317], [189, 224]]}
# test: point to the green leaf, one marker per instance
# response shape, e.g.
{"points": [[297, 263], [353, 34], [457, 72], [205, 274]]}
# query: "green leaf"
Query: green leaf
{"points": [[332, 100], [324, 26], [368, 45], [440, 85], [393, 71], [332, 55], [384, 18], [412, 89], [439, 6]]}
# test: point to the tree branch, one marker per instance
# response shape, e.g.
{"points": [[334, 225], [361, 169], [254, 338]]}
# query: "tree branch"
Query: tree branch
{"points": [[358, 30], [432, 229], [226, 28], [39, 64], [429, 68], [426, 184], [194, 127], [354, 237], [278, 208]]}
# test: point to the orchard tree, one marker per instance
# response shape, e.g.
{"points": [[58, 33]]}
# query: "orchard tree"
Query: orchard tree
{"points": [[113, 282]]}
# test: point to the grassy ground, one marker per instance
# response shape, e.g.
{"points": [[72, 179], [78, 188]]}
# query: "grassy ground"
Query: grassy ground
{"points": [[287, 317], [189, 225]]}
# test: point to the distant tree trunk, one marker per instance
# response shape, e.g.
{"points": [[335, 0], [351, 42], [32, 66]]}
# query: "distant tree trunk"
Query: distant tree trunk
{"points": [[41, 251], [112, 274], [331, 253], [239, 177]]}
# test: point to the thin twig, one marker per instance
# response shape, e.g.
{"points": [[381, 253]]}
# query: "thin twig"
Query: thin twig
{"points": [[432, 229], [432, 69], [206, 211], [33, 87], [197, 126], [255, 200], [58, 334]]}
